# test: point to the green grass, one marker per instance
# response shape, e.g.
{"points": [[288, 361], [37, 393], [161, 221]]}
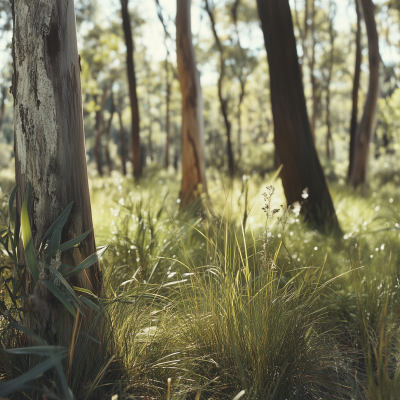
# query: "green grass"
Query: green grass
{"points": [[208, 304]]}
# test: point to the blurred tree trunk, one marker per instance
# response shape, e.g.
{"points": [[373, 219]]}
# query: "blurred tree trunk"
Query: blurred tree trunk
{"points": [[122, 143], [358, 173], [242, 78], [3, 104], [293, 140], [136, 151], [328, 79], [108, 137], [356, 85], [149, 113], [193, 159], [49, 138], [167, 116], [312, 72], [222, 100], [100, 129]]}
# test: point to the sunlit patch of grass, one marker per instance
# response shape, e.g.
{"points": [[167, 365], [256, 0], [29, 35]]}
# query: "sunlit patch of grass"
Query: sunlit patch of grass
{"points": [[218, 303]]}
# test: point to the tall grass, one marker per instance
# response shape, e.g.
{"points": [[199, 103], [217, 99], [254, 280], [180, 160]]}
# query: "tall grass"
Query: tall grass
{"points": [[222, 304]]}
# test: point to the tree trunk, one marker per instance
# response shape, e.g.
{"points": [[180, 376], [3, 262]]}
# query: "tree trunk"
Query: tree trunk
{"points": [[223, 101], [328, 83], [108, 130], [193, 159], [167, 116], [2, 105], [122, 143], [312, 73], [293, 139], [358, 174], [100, 129], [49, 137], [136, 152], [356, 85]]}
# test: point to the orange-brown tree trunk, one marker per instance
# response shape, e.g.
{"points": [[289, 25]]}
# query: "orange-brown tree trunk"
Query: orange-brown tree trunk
{"points": [[49, 136], [193, 160], [293, 139], [135, 141], [358, 174], [356, 86]]}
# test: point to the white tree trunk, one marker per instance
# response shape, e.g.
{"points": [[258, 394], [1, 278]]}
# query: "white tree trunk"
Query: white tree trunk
{"points": [[193, 160], [49, 133]]}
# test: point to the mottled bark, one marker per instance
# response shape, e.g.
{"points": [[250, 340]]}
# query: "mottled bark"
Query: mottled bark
{"points": [[293, 140], [223, 100], [49, 136], [358, 174], [135, 142], [356, 86], [193, 159]]}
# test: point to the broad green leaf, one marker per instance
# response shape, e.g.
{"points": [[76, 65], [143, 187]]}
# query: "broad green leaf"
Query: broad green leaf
{"points": [[89, 303], [66, 284], [57, 224], [87, 291], [37, 350], [70, 244], [60, 295], [27, 236], [25, 330], [17, 227], [89, 337], [87, 263], [16, 384], [11, 200]]}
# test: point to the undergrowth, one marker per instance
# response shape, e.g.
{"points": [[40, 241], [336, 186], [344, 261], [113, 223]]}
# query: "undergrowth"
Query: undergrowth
{"points": [[237, 300]]}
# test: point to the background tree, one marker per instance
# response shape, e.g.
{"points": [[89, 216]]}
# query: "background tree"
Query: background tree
{"points": [[293, 140], [356, 86], [223, 99], [135, 142], [49, 136], [358, 174], [193, 161]]}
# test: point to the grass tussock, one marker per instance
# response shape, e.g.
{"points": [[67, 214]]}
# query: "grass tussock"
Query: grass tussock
{"points": [[241, 300]]}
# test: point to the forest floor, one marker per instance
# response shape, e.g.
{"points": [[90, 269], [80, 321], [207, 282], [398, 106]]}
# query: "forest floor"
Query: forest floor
{"points": [[222, 302]]}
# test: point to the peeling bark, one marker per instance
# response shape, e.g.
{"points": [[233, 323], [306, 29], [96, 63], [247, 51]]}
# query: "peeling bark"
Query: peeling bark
{"points": [[49, 135], [193, 159]]}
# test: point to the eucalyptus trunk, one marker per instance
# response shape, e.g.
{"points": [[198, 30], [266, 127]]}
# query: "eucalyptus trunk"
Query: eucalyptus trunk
{"points": [[358, 174], [135, 142], [49, 136], [356, 86], [302, 175], [193, 160]]}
